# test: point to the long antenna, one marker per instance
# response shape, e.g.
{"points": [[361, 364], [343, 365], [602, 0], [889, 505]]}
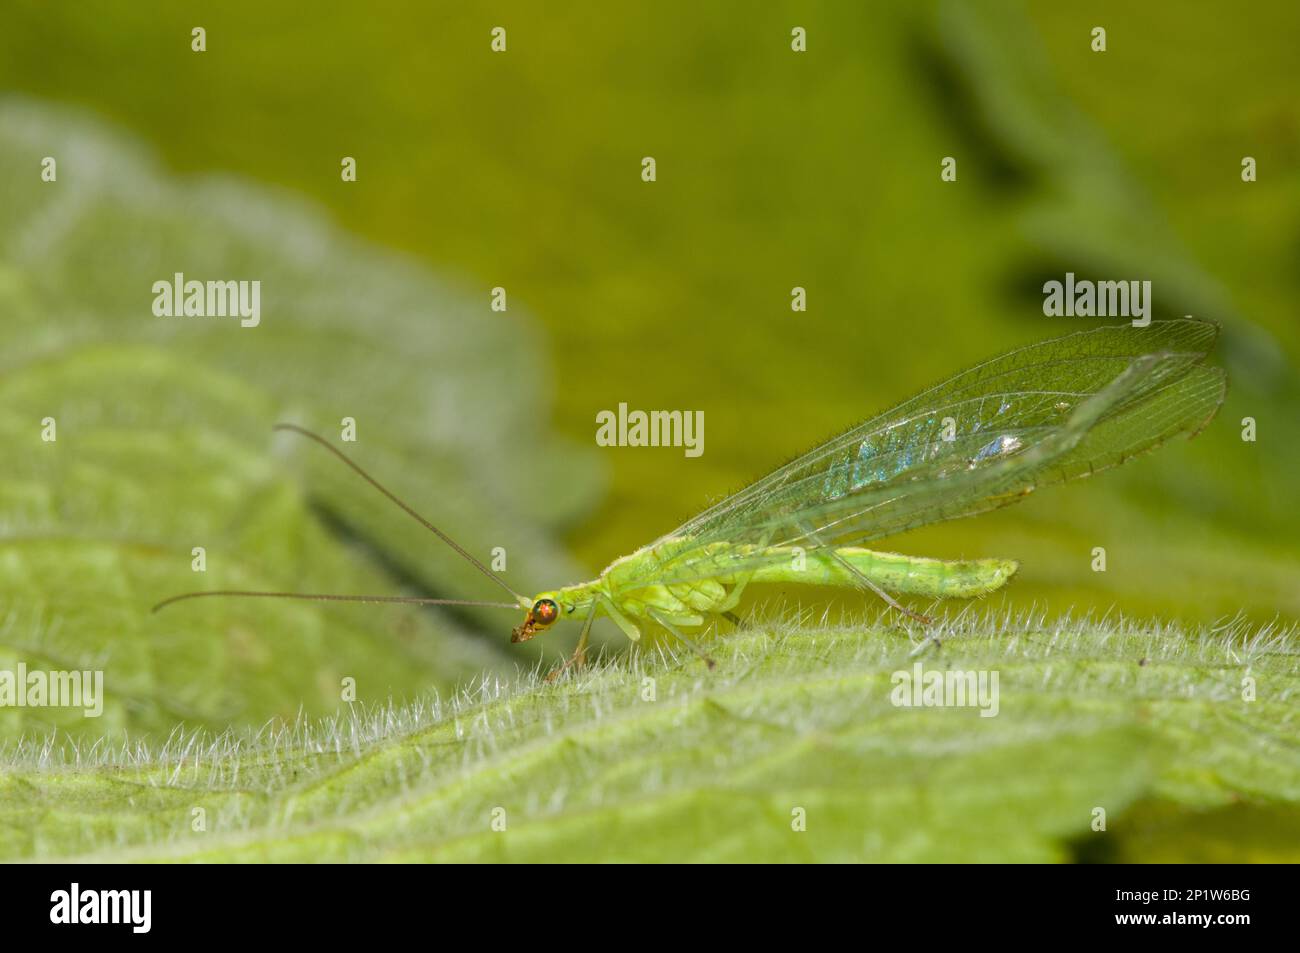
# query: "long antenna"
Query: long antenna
{"points": [[329, 597], [294, 428]]}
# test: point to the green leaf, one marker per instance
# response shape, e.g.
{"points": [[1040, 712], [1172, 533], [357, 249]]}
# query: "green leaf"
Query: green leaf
{"points": [[654, 758], [164, 444]]}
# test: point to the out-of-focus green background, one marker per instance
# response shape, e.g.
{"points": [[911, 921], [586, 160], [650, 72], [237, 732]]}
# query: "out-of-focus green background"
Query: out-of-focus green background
{"points": [[775, 169]]}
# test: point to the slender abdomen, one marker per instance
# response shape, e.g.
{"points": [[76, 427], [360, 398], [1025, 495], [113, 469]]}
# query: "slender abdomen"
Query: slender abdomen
{"points": [[912, 575]]}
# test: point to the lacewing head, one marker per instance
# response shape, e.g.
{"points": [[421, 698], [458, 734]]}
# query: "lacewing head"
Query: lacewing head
{"points": [[541, 616]]}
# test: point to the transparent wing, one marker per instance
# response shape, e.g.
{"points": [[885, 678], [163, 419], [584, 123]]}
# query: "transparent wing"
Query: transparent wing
{"points": [[1037, 416]]}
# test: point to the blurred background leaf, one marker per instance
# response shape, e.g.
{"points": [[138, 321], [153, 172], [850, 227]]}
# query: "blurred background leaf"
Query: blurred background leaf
{"points": [[521, 170], [164, 444]]}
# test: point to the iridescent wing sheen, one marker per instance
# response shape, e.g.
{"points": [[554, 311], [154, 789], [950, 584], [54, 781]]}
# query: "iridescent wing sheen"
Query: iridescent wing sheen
{"points": [[1039, 415]]}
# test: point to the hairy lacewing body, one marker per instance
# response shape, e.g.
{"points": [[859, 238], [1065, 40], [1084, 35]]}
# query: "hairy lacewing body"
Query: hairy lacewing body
{"points": [[1039, 415]]}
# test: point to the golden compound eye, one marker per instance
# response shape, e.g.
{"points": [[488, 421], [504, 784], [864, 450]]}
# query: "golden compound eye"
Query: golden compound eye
{"points": [[545, 611]]}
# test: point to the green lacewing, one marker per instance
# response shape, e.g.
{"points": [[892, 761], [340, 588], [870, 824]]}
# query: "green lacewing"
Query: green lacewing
{"points": [[1038, 415]]}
